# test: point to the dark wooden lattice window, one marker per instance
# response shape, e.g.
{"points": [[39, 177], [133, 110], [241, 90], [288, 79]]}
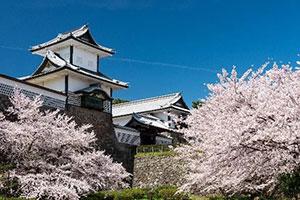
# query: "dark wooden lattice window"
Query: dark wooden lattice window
{"points": [[92, 102]]}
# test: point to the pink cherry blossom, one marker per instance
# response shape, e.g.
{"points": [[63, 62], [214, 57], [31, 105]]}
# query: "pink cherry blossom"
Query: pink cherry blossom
{"points": [[246, 133], [51, 155]]}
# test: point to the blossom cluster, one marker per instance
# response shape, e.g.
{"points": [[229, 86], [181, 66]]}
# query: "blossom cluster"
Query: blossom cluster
{"points": [[246, 133], [52, 157]]}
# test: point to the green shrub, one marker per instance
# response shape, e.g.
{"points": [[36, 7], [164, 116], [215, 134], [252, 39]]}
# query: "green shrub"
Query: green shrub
{"points": [[230, 198], [11, 186], [6, 167], [94, 196], [110, 195], [199, 198], [170, 193], [156, 148], [13, 198], [150, 194], [129, 194], [244, 198], [123, 196], [154, 154], [163, 187], [290, 184]]}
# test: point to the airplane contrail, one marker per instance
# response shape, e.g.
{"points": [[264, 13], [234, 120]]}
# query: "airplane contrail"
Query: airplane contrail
{"points": [[13, 48], [165, 64], [136, 61]]}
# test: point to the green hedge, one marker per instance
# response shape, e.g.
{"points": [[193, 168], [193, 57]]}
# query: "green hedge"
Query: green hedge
{"points": [[156, 148], [230, 198], [5, 198], [290, 183], [161, 193], [127, 194], [245, 198], [170, 193], [154, 154]]}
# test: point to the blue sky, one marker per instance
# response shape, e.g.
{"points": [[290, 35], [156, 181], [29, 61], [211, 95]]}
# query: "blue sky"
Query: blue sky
{"points": [[162, 46]]}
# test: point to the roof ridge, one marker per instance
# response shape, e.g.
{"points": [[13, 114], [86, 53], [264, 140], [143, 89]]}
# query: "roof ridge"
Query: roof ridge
{"points": [[51, 55], [146, 99], [151, 117], [73, 34], [74, 29], [59, 35]]}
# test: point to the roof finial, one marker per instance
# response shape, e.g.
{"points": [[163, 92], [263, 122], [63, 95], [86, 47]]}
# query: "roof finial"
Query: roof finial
{"points": [[86, 25]]}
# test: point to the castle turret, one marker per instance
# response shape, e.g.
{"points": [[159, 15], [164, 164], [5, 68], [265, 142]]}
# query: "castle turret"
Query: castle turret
{"points": [[71, 65]]}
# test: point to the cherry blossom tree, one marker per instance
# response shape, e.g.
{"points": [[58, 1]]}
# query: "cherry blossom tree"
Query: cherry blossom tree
{"points": [[246, 134], [51, 156]]}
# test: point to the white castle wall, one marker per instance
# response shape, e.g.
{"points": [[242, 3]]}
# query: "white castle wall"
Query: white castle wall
{"points": [[161, 116], [64, 53], [128, 136], [162, 140], [84, 59], [106, 89], [57, 84], [51, 99], [77, 84]]}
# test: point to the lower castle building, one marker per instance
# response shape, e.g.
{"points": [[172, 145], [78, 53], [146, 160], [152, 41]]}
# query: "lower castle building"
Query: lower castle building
{"points": [[151, 117]]}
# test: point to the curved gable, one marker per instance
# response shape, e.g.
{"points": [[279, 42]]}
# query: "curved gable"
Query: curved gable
{"points": [[181, 103], [87, 37], [50, 62]]}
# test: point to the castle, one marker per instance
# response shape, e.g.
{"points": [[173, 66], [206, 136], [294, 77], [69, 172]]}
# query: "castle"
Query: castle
{"points": [[69, 76]]}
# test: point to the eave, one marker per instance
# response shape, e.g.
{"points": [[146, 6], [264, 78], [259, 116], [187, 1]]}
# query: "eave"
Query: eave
{"points": [[126, 128], [156, 110], [66, 70], [138, 123], [71, 40]]}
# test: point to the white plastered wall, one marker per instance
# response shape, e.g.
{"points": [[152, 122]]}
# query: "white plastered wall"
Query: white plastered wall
{"points": [[161, 116], [162, 140], [64, 53], [57, 84], [121, 130], [84, 59], [32, 89], [77, 83], [128, 136], [106, 89]]}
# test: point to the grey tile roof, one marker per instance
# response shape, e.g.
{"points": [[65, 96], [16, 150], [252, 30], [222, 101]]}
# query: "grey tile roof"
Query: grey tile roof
{"points": [[151, 121], [147, 105], [76, 34]]}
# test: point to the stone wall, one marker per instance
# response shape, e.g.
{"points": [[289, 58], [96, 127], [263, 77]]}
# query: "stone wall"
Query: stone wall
{"points": [[153, 171], [4, 102], [104, 130]]}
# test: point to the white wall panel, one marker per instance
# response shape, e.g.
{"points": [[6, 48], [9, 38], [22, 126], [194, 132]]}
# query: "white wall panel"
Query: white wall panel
{"points": [[84, 59]]}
